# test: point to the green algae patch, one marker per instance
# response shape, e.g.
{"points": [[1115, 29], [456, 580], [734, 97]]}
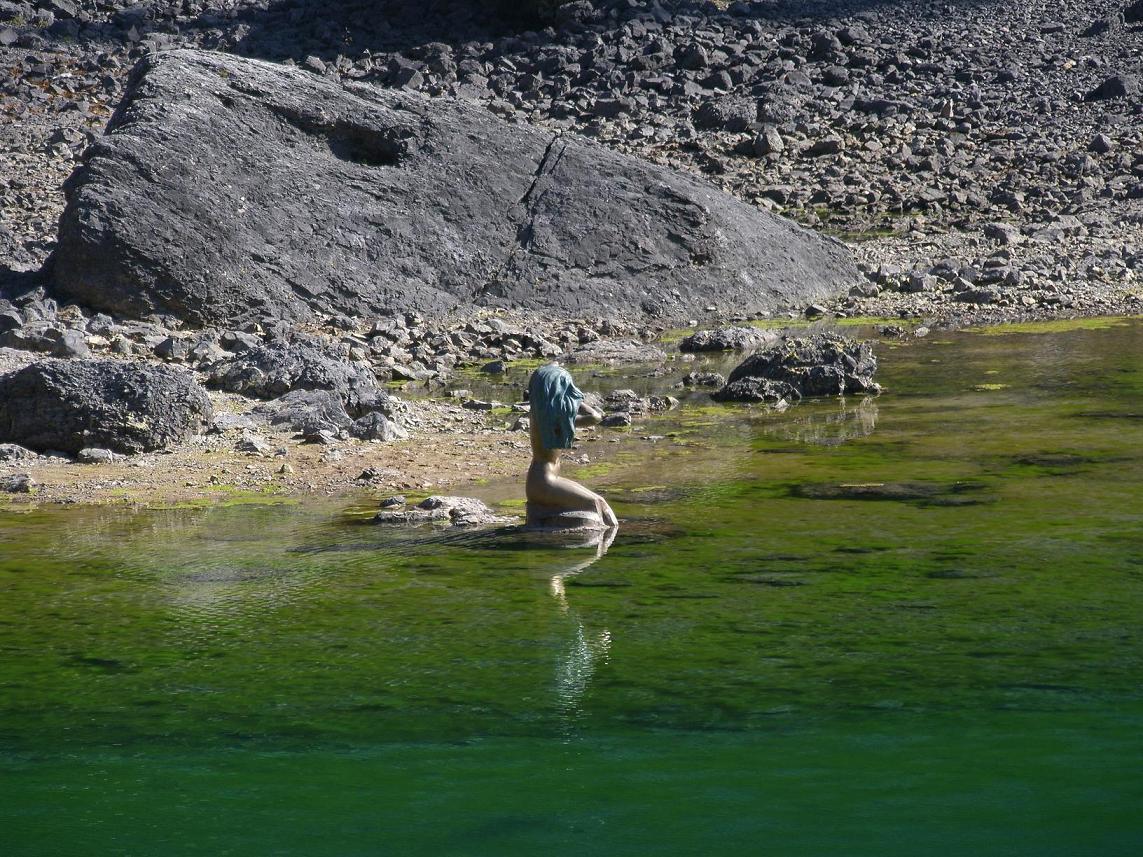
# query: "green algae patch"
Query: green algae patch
{"points": [[591, 471], [872, 320], [675, 335], [1065, 325], [781, 323], [226, 497]]}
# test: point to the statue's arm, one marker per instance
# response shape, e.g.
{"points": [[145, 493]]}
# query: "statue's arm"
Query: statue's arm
{"points": [[587, 416]]}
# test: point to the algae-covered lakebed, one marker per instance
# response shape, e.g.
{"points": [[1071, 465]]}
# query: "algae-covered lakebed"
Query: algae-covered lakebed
{"points": [[874, 627]]}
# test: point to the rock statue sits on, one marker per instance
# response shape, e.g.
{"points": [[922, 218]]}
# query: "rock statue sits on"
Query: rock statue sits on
{"points": [[555, 502]]}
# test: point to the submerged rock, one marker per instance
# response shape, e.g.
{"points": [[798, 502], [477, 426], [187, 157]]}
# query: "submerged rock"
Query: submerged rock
{"points": [[820, 365], [76, 404], [960, 493], [229, 189], [704, 379]]}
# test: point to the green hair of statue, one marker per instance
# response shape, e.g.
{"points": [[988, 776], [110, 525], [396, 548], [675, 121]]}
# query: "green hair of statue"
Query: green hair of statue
{"points": [[555, 401]]}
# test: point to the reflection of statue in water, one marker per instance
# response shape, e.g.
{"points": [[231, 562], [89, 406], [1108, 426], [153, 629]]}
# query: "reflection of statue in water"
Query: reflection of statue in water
{"points": [[554, 502], [588, 648]]}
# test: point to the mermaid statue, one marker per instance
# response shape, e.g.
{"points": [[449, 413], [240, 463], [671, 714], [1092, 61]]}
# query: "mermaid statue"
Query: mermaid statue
{"points": [[554, 502]]}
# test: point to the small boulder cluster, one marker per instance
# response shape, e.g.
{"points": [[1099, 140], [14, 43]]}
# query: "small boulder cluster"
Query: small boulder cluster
{"points": [[823, 364]]}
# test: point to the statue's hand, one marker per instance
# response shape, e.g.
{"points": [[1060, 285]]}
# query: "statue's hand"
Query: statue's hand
{"points": [[606, 514]]}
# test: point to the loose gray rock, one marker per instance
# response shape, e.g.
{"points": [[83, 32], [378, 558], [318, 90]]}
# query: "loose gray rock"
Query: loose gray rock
{"points": [[254, 444], [223, 423], [230, 189], [726, 114], [15, 452], [610, 351], [1005, 233], [95, 455], [10, 319], [768, 142], [269, 371], [72, 405], [727, 339], [1116, 86], [20, 483], [307, 412], [377, 426]]}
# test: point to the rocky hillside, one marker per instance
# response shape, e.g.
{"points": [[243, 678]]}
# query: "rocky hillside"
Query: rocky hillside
{"points": [[994, 150]]}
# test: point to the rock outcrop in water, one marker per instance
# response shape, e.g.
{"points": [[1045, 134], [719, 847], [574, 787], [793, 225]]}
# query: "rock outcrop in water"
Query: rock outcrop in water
{"points": [[457, 511], [73, 405], [820, 365], [229, 189]]}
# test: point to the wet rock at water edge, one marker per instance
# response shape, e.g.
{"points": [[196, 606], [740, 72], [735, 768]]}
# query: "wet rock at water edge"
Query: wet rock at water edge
{"points": [[704, 379], [620, 419], [20, 483], [777, 394], [553, 221], [456, 511], [820, 365], [72, 405]]}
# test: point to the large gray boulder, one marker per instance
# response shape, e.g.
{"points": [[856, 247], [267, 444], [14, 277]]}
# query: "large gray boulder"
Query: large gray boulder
{"points": [[228, 189], [74, 404]]}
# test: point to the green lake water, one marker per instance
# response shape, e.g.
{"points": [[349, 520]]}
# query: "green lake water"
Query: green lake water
{"points": [[877, 627]]}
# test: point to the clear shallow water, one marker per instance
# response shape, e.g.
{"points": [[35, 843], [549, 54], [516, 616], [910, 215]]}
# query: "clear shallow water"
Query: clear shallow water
{"points": [[872, 628]]}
